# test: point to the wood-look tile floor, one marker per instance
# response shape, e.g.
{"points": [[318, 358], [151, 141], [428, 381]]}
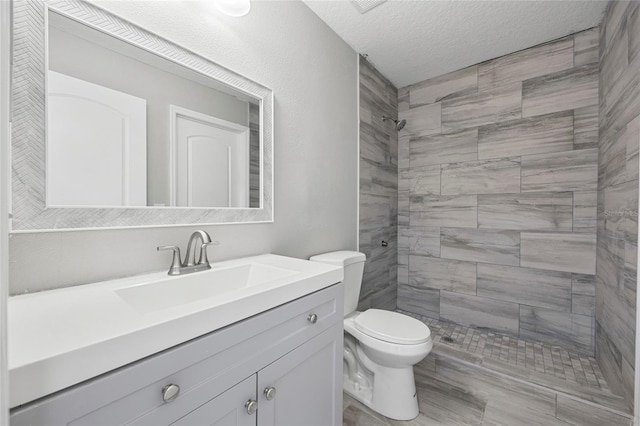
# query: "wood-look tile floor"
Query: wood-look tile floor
{"points": [[476, 377]]}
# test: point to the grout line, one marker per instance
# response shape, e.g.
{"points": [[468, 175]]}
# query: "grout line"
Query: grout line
{"points": [[521, 98], [573, 144], [520, 175], [476, 278], [573, 50], [573, 211]]}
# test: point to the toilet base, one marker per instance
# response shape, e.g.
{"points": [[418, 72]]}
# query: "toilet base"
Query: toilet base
{"points": [[393, 394], [358, 392], [386, 390]]}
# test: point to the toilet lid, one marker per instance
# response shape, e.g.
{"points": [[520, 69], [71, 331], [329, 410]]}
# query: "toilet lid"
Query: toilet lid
{"points": [[392, 327]]}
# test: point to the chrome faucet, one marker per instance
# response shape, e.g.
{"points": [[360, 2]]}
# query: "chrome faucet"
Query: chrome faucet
{"points": [[199, 240]]}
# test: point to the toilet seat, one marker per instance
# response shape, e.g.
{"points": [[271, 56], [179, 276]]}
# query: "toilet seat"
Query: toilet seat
{"points": [[394, 349], [392, 327]]}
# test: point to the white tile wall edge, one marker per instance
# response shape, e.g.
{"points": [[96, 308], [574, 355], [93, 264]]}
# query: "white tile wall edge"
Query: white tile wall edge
{"points": [[5, 131], [358, 159], [636, 393]]}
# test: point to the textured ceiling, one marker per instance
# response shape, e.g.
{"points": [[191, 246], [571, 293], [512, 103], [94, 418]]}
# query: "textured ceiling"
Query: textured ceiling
{"points": [[410, 41]]}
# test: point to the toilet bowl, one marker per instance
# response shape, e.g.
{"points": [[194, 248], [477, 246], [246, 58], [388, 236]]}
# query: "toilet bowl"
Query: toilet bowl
{"points": [[380, 347]]}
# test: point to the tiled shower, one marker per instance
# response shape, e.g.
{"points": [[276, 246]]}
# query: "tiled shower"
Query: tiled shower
{"points": [[378, 189], [617, 249], [498, 193], [517, 194]]}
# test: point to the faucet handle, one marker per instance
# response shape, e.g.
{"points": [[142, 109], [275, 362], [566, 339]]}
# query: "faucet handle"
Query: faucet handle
{"points": [[203, 251], [177, 260]]}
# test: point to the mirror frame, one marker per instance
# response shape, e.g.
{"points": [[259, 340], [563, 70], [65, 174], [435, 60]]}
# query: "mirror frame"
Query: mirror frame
{"points": [[28, 92]]}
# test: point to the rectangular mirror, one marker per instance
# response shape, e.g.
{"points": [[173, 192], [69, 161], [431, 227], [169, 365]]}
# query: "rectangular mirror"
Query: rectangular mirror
{"points": [[129, 129]]}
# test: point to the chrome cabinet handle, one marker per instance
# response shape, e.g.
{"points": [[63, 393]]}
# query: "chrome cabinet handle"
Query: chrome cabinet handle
{"points": [[312, 318], [270, 393], [170, 392], [251, 406]]}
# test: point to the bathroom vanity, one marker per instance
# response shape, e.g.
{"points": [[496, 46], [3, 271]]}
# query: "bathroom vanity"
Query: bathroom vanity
{"points": [[254, 341], [267, 365]]}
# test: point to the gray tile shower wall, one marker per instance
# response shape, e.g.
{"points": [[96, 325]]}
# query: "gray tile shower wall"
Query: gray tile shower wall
{"points": [[498, 175], [617, 197], [378, 188]]}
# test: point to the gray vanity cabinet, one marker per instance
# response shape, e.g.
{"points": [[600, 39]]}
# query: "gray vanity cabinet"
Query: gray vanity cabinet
{"points": [[293, 350], [227, 409], [297, 389], [304, 384]]}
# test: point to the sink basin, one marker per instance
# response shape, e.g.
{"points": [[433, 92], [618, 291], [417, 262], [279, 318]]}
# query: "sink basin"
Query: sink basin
{"points": [[178, 290]]}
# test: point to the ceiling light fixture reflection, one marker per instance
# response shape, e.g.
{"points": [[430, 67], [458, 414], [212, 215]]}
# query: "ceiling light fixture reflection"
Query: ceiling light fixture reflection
{"points": [[233, 7]]}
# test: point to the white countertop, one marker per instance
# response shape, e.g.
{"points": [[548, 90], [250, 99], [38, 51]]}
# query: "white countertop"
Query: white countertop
{"points": [[62, 337]]}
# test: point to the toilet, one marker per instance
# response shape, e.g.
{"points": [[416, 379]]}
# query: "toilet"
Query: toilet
{"points": [[380, 347]]}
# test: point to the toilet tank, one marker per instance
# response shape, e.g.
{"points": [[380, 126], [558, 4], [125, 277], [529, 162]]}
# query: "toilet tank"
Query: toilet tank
{"points": [[353, 264]]}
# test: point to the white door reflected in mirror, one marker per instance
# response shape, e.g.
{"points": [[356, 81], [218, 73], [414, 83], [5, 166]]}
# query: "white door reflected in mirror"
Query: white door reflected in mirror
{"points": [[95, 123], [102, 159], [208, 150]]}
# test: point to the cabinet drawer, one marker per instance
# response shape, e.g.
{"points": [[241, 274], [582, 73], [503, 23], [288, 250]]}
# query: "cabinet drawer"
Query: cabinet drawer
{"points": [[203, 368]]}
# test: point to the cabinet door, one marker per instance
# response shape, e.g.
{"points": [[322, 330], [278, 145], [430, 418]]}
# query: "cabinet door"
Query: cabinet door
{"points": [[227, 409], [307, 382]]}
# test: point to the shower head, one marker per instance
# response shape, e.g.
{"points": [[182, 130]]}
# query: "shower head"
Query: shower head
{"points": [[399, 123]]}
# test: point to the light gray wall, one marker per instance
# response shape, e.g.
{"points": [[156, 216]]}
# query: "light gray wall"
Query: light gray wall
{"points": [[497, 194], [618, 196], [378, 188], [89, 61], [313, 74], [5, 89]]}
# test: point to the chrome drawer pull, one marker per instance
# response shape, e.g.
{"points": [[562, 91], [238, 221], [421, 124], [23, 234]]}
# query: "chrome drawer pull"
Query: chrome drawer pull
{"points": [[170, 392], [312, 318], [251, 406], [270, 393]]}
